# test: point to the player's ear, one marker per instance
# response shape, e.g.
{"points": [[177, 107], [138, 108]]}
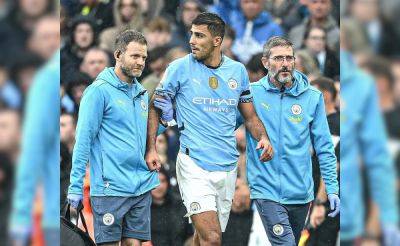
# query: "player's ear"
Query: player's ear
{"points": [[265, 61], [217, 41], [117, 55]]}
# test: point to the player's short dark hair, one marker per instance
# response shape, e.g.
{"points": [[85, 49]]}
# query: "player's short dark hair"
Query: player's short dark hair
{"points": [[125, 37], [275, 42], [325, 84], [214, 23]]}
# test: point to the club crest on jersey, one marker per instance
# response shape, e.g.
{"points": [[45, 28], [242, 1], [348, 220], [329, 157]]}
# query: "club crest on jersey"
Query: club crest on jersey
{"points": [[296, 109], [232, 83], [194, 207], [143, 105], [108, 219], [278, 229], [213, 82]]}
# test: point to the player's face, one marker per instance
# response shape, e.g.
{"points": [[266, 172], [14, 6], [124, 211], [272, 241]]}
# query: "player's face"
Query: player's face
{"points": [[201, 42], [280, 69], [132, 61]]}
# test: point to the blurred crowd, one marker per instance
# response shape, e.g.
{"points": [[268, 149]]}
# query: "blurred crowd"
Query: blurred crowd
{"points": [[85, 30]]}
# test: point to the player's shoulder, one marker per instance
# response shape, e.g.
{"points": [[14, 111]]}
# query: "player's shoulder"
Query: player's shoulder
{"points": [[96, 87], [98, 83], [234, 64], [183, 61], [256, 84]]}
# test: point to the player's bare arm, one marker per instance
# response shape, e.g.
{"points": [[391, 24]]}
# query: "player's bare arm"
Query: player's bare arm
{"points": [[254, 125], [151, 156]]}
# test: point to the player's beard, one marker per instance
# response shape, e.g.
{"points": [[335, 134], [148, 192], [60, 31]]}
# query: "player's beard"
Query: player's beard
{"points": [[205, 53], [275, 75], [128, 71]]}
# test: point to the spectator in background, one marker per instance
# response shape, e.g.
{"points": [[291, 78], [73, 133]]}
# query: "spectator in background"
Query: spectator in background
{"points": [[316, 44], [320, 15], [65, 169], [127, 15], [255, 68], [157, 63], [379, 68], [67, 130], [168, 226], [253, 26], [151, 81], [153, 8], [94, 61], [63, 26], [16, 28], [23, 71], [6, 187], [395, 68], [97, 10], [10, 124], [45, 38], [287, 13], [227, 43], [187, 12], [75, 87], [82, 38], [241, 217], [306, 64], [5, 6], [158, 33], [379, 33], [9, 93]]}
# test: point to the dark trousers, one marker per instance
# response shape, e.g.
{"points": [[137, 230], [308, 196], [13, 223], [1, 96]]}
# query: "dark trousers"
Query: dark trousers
{"points": [[283, 223]]}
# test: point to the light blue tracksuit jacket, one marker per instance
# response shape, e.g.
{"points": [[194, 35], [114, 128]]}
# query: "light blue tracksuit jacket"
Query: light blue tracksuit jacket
{"points": [[295, 121], [363, 137], [111, 136]]}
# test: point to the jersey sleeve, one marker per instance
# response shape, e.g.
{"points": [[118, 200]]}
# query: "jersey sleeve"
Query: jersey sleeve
{"points": [[169, 84], [245, 93]]}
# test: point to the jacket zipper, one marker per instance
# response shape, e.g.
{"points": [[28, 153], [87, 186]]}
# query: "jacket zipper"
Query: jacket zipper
{"points": [[282, 93], [134, 98]]}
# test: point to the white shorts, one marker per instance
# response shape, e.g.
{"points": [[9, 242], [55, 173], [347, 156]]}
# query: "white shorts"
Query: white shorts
{"points": [[203, 190]]}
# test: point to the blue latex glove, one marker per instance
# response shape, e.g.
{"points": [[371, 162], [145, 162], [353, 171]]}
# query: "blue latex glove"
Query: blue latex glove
{"points": [[334, 203], [19, 234], [74, 200], [391, 235], [165, 105]]}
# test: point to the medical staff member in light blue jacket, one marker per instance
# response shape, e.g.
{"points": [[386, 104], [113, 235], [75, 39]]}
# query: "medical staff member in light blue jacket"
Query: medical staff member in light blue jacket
{"points": [[39, 161], [111, 138], [363, 138], [293, 113]]}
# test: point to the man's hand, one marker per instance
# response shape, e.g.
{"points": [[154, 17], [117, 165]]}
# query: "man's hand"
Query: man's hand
{"points": [[267, 152], [74, 200], [317, 215], [165, 105], [152, 160], [334, 203]]}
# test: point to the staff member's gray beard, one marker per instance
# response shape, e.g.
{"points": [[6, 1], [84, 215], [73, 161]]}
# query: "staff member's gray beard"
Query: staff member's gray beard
{"points": [[276, 77]]}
